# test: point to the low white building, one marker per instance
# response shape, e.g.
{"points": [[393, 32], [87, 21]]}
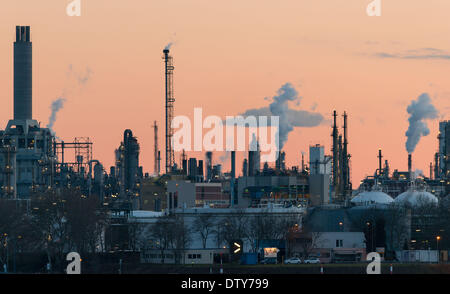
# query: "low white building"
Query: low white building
{"points": [[333, 247]]}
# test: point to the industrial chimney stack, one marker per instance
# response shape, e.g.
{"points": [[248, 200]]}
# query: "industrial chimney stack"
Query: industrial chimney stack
{"points": [[23, 102], [409, 164]]}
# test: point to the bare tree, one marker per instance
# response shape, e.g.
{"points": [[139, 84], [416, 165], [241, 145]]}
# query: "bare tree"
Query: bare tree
{"points": [[84, 220], [232, 227], [397, 226], [13, 225], [180, 237], [308, 241], [204, 225], [162, 233], [49, 221]]}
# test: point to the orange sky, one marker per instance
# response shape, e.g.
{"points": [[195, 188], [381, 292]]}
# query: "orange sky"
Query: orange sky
{"points": [[228, 56]]}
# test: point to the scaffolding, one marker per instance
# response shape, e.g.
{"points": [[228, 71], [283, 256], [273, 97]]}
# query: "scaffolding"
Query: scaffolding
{"points": [[170, 101], [82, 147]]}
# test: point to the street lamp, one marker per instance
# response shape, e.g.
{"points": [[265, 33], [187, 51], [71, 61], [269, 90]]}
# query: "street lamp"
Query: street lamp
{"points": [[341, 225], [369, 227], [437, 247]]}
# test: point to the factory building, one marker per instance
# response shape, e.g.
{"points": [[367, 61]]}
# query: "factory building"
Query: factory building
{"points": [[153, 194], [27, 156], [319, 175], [187, 194], [263, 190], [400, 181]]}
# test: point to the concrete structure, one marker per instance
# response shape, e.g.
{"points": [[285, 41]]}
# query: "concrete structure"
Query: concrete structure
{"points": [[153, 194], [187, 194], [27, 156], [318, 162], [319, 192], [23, 91]]}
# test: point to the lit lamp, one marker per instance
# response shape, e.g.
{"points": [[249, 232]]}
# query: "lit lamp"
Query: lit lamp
{"points": [[437, 247]]}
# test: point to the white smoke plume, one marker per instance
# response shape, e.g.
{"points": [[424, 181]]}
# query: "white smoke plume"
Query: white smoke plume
{"points": [[55, 107], [288, 118], [75, 80], [81, 77], [168, 46], [419, 111]]}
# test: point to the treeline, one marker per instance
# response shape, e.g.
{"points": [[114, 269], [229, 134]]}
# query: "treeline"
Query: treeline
{"points": [[52, 223]]}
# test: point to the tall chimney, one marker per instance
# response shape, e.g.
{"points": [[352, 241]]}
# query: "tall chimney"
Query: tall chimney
{"points": [[436, 165], [23, 102], [380, 157], [431, 170], [233, 176], [409, 164]]}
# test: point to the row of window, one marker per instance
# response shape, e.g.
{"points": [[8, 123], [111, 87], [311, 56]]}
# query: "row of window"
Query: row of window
{"points": [[24, 143], [154, 256], [170, 256]]}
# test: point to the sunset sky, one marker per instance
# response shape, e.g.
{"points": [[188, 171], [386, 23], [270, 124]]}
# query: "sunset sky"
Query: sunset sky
{"points": [[229, 56]]}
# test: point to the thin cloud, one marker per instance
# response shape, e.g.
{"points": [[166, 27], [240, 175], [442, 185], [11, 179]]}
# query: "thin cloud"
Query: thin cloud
{"points": [[423, 53]]}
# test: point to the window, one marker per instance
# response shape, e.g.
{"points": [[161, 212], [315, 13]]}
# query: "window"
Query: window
{"points": [[339, 243], [194, 256]]}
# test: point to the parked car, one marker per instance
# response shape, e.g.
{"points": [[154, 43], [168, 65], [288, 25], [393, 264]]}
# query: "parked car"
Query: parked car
{"points": [[269, 261], [293, 260], [312, 260]]}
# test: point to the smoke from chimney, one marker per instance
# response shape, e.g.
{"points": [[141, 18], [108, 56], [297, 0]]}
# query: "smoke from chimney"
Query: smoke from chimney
{"points": [[288, 118], [56, 105], [419, 111], [168, 46], [72, 76]]}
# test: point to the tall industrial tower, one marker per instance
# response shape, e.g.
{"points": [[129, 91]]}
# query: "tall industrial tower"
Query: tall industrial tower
{"points": [[23, 74], [170, 101], [342, 185], [156, 166], [345, 158], [335, 151]]}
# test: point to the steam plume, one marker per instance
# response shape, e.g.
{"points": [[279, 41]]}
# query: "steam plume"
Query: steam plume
{"points": [[55, 107], [419, 111], [288, 118]]}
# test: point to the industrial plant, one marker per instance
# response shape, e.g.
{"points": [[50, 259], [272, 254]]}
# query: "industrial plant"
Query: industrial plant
{"points": [[310, 211]]}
